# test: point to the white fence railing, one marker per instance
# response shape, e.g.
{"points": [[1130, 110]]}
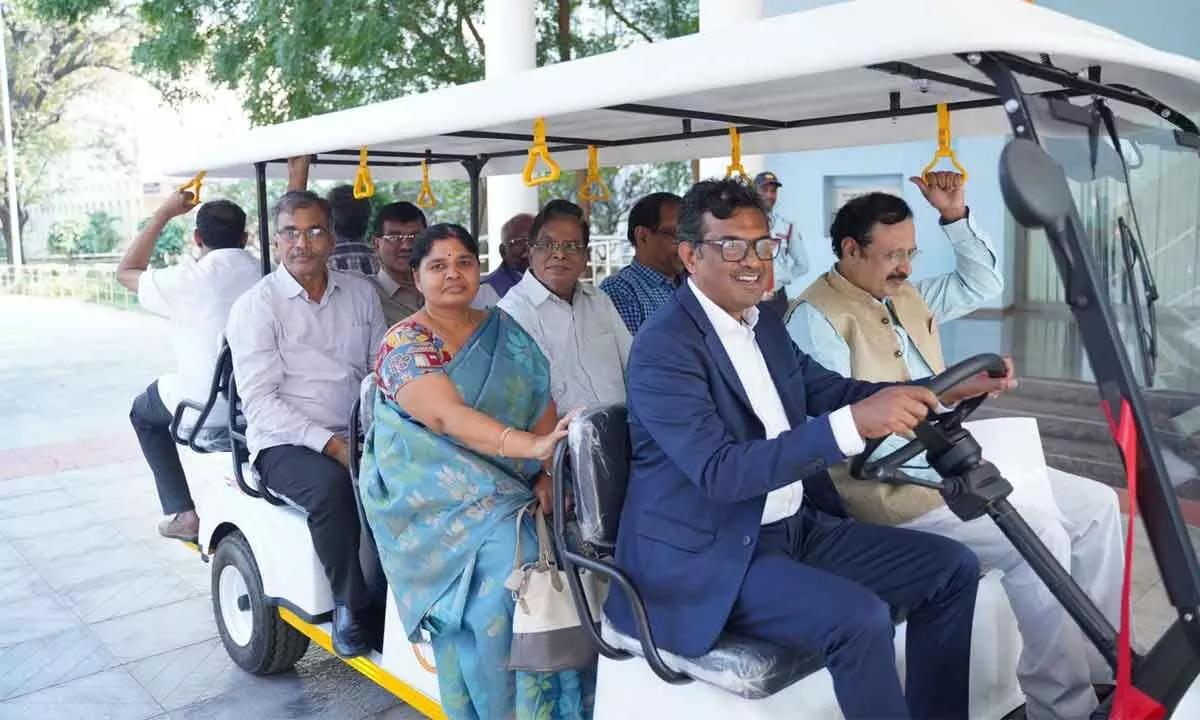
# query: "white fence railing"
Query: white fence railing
{"points": [[95, 280], [93, 283]]}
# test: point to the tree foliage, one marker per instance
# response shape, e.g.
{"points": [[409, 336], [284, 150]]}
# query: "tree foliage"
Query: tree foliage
{"points": [[97, 236], [289, 59], [53, 61], [170, 245], [294, 58]]}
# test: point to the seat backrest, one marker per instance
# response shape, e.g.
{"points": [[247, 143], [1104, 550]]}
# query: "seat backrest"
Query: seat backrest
{"points": [[599, 451], [366, 403]]}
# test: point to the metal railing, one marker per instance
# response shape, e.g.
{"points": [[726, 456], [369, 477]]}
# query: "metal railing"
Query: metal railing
{"points": [[90, 283], [95, 281]]}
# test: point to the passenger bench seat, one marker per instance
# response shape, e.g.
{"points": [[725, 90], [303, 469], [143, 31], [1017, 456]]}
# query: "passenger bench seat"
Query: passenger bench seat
{"points": [[599, 453]]}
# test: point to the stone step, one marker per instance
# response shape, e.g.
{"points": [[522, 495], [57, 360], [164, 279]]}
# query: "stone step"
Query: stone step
{"points": [[1164, 403], [1074, 422], [1099, 459]]}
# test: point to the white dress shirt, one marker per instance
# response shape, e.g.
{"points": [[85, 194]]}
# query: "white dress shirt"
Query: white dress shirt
{"points": [[196, 297], [740, 343], [298, 363], [585, 341]]}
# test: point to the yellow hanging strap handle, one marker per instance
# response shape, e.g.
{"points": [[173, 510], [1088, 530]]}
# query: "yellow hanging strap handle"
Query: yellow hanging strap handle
{"points": [[363, 185], [944, 150], [735, 156], [426, 199], [539, 149], [193, 186], [594, 188]]}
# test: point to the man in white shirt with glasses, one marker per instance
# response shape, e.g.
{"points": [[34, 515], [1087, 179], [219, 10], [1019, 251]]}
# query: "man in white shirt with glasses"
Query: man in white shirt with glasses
{"points": [[576, 325], [303, 339]]}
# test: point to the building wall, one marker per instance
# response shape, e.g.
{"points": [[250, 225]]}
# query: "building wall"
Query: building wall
{"points": [[1166, 24]]}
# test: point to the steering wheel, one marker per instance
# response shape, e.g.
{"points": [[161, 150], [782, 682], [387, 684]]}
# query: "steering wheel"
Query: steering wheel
{"points": [[948, 446]]}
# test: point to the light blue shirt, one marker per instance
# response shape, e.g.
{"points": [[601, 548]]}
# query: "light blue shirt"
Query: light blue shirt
{"points": [[976, 278], [299, 362]]}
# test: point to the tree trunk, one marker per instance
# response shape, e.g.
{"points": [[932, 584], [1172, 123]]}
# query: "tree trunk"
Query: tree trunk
{"points": [[6, 233]]}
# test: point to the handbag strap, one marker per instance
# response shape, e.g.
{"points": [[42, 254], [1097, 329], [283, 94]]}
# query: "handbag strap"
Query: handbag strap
{"points": [[545, 551], [520, 516]]}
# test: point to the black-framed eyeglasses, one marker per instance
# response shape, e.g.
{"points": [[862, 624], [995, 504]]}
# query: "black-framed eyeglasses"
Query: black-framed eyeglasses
{"points": [[736, 249], [292, 234], [406, 238]]}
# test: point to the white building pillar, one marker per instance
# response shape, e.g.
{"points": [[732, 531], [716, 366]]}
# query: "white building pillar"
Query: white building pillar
{"points": [[718, 16], [510, 37]]}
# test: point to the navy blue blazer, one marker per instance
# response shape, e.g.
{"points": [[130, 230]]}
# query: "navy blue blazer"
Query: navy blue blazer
{"points": [[702, 467]]}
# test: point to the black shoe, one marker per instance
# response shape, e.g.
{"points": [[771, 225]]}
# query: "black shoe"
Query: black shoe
{"points": [[349, 640]]}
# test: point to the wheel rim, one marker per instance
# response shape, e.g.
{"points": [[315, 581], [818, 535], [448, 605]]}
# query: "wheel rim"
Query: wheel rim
{"points": [[231, 589]]}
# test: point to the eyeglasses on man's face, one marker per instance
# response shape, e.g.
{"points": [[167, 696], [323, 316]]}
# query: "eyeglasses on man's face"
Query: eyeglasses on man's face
{"points": [[897, 257], [399, 238], [569, 247], [292, 235], [736, 249]]}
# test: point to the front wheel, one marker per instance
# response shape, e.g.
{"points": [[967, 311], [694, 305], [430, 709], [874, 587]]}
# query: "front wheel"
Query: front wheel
{"points": [[254, 635]]}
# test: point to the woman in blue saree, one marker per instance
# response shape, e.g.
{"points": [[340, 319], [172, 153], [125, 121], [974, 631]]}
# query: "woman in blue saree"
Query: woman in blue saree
{"points": [[463, 419]]}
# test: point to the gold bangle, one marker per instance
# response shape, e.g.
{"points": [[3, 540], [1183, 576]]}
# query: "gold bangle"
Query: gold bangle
{"points": [[503, 435]]}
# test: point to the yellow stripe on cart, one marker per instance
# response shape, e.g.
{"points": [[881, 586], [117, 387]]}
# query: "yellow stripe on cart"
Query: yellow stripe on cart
{"points": [[415, 698]]}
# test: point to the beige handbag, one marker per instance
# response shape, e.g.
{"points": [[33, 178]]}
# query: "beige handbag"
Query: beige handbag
{"points": [[547, 633]]}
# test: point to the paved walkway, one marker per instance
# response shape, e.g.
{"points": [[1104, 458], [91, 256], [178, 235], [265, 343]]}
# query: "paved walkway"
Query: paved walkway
{"points": [[104, 619]]}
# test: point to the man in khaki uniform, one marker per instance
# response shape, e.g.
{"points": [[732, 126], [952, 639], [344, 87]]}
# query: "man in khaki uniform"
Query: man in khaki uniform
{"points": [[864, 319]]}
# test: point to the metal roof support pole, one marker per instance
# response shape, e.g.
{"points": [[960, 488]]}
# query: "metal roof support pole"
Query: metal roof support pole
{"points": [[264, 222], [717, 17], [474, 168], [510, 34]]}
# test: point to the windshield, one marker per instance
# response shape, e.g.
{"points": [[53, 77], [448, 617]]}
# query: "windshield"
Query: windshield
{"points": [[1145, 240]]}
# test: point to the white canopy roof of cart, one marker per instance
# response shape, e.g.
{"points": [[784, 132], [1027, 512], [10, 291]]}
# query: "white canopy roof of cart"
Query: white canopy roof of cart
{"points": [[833, 79]]}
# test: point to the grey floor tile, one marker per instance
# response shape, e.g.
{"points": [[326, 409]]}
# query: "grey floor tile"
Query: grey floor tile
{"points": [[398, 712], [154, 631], [9, 557], [22, 582], [115, 482], [28, 485], [34, 618], [183, 561], [35, 503], [139, 529], [96, 564], [322, 673], [192, 674], [1154, 601], [47, 661], [174, 552], [140, 505], [79, 541], [55, 522], [330, 690], [1149, 627], [127, 592], [109, 695]]}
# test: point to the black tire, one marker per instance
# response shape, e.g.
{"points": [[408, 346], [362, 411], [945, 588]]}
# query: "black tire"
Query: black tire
{"points": [[273, 645]]}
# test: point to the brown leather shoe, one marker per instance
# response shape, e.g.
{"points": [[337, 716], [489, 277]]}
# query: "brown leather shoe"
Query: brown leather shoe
{"points": [[181, 526]]}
